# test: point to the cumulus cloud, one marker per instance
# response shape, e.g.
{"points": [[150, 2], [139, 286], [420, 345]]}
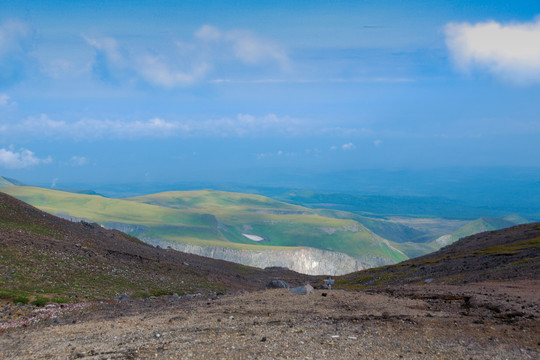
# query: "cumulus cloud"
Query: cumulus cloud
{"points": [[509, 51], [187, 62], [114, 63], [12, 159], [348, 146]]}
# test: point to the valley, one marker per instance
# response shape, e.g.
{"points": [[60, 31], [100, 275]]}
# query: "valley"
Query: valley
{"points": [[76, 290], [259, 231]]}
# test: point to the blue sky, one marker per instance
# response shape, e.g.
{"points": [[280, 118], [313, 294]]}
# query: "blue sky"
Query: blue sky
{"points": [[97, 92]]}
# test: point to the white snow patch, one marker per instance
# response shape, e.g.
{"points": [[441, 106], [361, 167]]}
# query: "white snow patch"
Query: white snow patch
{"points": [[253, 237]]}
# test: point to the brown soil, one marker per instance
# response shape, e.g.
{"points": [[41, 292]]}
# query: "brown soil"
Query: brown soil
{"points": [[481, 301], [474, 321]]}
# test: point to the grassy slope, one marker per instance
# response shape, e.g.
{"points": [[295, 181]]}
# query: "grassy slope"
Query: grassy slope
{"points": [[281, 224], [481, 225], [215, 218], [43, 258], [510, 253]]}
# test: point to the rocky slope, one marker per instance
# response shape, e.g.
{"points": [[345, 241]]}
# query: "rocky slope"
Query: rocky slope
{"points": [[508, 254], [383, 319], [47, 259]]}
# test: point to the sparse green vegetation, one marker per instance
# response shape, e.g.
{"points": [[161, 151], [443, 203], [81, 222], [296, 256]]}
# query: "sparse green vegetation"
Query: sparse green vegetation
{"points": [[40, 301]]}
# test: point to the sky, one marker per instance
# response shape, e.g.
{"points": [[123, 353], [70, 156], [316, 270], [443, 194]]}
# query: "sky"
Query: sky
{"points": [[99, 92]]}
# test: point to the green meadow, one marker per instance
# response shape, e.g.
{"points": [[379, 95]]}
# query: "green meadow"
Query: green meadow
{"points": [[215, 218]]}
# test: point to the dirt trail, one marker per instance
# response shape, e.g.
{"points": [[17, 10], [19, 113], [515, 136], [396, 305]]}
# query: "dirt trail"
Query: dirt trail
{"points": [[478, 321]]}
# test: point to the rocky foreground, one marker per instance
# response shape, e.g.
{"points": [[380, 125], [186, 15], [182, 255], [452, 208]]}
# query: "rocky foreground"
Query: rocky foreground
{"points": [[474, 321]]}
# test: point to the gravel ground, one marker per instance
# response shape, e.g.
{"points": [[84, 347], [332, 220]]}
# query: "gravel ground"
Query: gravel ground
{"points": [[478, 321]]}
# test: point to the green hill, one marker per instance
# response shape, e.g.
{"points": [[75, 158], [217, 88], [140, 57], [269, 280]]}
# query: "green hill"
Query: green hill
{"points": [[207, 220], [212, 218]]}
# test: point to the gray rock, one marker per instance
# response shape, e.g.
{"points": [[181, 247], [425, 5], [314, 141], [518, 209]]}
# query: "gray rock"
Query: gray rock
{"points": [[277, 284], [302, 290], [123, 298]]}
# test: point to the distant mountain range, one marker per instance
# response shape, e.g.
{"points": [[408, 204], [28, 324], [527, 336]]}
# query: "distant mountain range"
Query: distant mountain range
{"points": [[260, 231]]}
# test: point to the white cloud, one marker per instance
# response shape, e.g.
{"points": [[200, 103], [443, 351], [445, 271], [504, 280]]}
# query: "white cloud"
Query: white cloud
{"points": [[348, 146], [93, 129], [155, 70], [186, 63], [246, 47], [377, 142], [109, 47], [4, 100], [78, 160], [13, 34], [59, 67], [12, 159], [112, 62], [242, 125], [509, 51], [208, 33]]}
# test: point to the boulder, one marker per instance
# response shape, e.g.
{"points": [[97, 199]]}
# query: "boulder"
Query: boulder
{"points": [[302, 290], [277, 284]]}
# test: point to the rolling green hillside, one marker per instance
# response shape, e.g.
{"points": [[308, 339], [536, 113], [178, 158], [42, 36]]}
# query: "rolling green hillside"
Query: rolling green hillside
{"points": [[215, 219], [211, 218], [277, 223]]}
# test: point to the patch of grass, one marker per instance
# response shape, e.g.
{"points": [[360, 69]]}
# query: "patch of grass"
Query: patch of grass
{"points": [[510, 249], [60, 300], [21, 299], [160, 292], [40, 301], [15, 296]]}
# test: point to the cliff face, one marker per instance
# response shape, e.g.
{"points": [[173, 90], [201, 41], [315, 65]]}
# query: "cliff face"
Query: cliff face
{"points": [[303, 260]]}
